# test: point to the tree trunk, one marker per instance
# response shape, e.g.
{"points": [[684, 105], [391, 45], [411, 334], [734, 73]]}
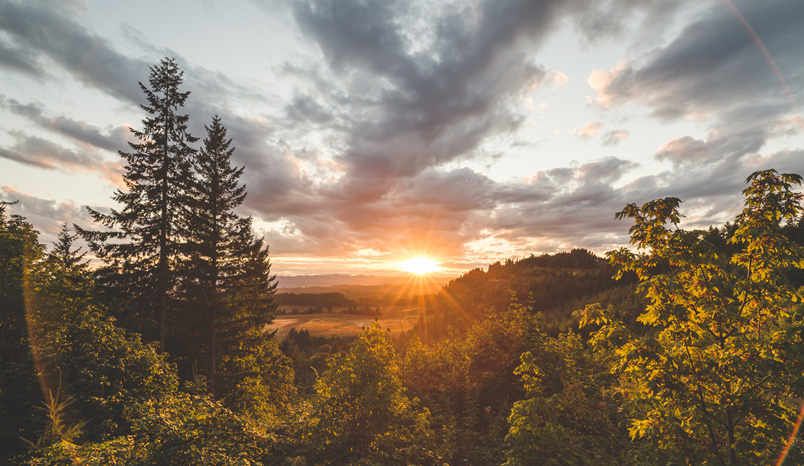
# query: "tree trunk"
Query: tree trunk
{"points": [[730, 433], [214, 289], [212, 344], [162, 267]]}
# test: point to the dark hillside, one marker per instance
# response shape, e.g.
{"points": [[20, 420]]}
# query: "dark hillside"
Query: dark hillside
{"points": [[557, 285]]}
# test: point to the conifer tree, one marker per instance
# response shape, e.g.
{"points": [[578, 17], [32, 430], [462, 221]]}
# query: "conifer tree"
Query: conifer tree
{"points": [[69, 265], [217, 235], [145, 243], [227, 278]]}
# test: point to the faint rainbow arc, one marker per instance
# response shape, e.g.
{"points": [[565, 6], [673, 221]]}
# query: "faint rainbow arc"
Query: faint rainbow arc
{"points": [[765, 52]]}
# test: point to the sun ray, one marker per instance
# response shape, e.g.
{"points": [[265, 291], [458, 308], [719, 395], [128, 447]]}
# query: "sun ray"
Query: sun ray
{"points": [[419, 265]]}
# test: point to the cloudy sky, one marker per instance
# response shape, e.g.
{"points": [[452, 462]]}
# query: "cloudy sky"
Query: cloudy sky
{"points": [[373, 131]]}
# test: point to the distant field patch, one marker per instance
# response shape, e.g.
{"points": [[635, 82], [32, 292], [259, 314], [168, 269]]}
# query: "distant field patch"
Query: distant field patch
{"points": [[342, 325]]}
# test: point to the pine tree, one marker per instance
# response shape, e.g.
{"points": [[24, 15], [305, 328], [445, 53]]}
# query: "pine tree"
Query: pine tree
{"points": [[146, 243], [227, 281], [216, 236], [69, 266]]}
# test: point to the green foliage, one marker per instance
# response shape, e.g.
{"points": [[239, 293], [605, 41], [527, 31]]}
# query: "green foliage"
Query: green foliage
{"points": [[557, 284], [257, 379], [468, 382], [715, 378], [103, 368], [252, 367], [177, 429], [361, 414], [20, 251], [187, 429], [217, 241], [309, 355], [569, 416]]}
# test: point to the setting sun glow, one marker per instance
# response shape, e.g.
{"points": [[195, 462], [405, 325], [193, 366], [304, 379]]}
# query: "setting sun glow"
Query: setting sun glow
{"points": [[419, 265]]}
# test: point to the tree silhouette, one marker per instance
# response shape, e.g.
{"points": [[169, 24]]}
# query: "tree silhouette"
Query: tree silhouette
{"points": [[218, 239], [145, 245]]}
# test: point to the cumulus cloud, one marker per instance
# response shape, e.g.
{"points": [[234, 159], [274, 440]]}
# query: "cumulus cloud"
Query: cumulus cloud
{"points": [[42, 153], [53, 35], [559, 78], [42, 31], [588, 131], [18, 59], [612, 138], [47, 215], [419, 108], [711, 66], [113, 139], [718, 146], [579, 202], [367, 151]]}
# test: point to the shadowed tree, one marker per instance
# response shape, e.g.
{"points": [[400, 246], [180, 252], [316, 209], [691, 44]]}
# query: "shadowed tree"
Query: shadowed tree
{"points": [[144, 246], [254, 375], [227, 287], [20, 250], [218, 242]]}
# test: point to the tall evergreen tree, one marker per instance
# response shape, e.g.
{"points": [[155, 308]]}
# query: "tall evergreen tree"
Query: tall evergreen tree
{"points": [[228, 286], [146, 242], [218, 239]]}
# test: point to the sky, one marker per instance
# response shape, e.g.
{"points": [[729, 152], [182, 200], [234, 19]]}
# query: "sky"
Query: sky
{"points": [[466, 131]]}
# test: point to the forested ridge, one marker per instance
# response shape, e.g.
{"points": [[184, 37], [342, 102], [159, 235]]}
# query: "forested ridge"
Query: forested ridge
{"points": [[685, 348]]}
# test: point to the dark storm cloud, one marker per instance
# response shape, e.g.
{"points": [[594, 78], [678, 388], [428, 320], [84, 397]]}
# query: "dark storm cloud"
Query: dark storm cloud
{"points": [[113, 140], [718, 146], [578, 208], [714, 65], [409, 89], [715, 72], [305, 108], [44, 31], [580, 202], [646, 20], [42, 153]]}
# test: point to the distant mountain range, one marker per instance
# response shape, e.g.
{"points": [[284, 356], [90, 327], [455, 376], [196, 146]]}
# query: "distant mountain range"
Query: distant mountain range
{"points": [[338, 280]]}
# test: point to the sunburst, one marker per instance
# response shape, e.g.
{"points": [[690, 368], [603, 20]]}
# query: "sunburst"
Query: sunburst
{"points": [[419, 265]]}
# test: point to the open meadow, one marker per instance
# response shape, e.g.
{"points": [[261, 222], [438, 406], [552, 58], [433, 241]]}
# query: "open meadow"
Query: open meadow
{"points": [[342, 324]]}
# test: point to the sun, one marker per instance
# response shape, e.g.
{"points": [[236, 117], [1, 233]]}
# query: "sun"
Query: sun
{"points": [[419, 265]]}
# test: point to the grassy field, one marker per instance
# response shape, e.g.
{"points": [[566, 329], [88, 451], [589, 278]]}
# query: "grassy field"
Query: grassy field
{"points": [[344, 324]]}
